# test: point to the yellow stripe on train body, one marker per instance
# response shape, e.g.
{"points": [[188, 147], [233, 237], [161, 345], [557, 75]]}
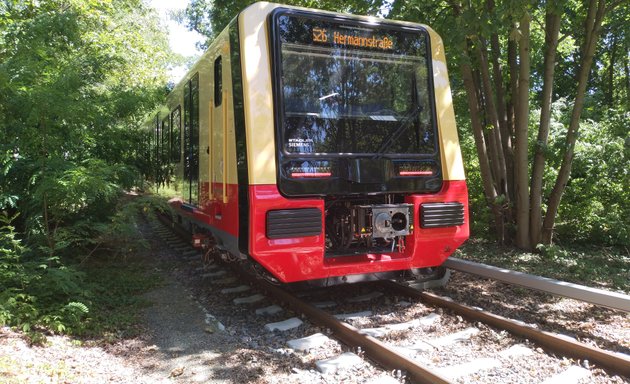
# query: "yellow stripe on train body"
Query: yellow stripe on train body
{"points": [[257, 93], [452, 163]]}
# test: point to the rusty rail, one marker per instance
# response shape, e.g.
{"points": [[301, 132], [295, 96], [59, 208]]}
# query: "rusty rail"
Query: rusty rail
{"points": [[614, 362], [375, 350]]}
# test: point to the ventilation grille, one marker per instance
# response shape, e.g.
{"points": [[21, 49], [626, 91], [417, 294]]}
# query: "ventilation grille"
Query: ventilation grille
{"points": [[289, 223], [435, 215]]}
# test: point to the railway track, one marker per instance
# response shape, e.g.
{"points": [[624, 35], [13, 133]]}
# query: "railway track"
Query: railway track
{"points": [[398, 357], [391, 358]]}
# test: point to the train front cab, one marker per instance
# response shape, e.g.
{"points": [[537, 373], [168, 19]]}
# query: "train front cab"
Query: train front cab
{"points": [[352, 163]]}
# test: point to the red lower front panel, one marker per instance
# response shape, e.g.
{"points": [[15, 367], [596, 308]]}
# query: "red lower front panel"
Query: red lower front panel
{"points": [[302, 258]]}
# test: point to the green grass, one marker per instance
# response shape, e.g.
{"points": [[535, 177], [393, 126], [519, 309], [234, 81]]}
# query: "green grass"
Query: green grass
{"points": [[594, 266]]}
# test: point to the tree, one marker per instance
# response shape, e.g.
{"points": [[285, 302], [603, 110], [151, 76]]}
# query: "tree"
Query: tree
{"points": [[77, 78], [494, 57]]}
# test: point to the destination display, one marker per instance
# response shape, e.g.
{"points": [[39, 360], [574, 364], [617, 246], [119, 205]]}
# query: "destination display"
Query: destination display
{"points": [[329, 33]]}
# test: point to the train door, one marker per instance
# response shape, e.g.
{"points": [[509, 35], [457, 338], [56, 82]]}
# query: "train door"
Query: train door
{"points": [[191, 140], [218, 139]]}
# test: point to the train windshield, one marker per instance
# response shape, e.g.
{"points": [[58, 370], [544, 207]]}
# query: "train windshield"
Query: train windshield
{"points": [[354, 89]]}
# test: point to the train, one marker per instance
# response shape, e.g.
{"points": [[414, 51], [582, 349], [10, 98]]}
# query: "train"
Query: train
{"points": [[317, 147]]}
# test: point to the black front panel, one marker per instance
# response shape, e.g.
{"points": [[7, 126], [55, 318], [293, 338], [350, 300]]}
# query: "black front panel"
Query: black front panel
{"points": [[290, 223], [353, 101]]}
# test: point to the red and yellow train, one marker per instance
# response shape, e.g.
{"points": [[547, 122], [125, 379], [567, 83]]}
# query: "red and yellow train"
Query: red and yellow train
{"points": [[318, 146]]}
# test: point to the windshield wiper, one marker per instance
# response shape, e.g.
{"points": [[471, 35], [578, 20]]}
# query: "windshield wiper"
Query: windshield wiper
{"points": [[404, 123]]}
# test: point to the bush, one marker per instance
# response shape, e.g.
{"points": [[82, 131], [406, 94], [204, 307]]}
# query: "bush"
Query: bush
{"points": [[41, 292], [37, 292], [595, 206]]}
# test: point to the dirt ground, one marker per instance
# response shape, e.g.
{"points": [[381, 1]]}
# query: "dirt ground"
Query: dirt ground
{"points": [[178, 347]]}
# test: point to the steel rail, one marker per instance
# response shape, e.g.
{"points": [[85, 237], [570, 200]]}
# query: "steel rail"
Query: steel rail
{"points": [[596, 296], [375, 350], [614, 362]]}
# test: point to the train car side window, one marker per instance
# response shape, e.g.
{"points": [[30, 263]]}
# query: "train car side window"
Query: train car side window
{"points": [[218, 81], [157, 138], [176, 131], [187, 131], [166, 140]]}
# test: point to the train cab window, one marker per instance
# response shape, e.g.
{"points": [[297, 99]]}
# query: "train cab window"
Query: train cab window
{"points": [[218, 81], [176, 128], [350, 88]]}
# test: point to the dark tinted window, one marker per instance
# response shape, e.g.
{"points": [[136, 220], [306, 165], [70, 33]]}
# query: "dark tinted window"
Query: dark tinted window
{"points": [[166, 148], [187, 139], [191, 136], [176, 127], [157, 139], [218, 81], [350, 89]]}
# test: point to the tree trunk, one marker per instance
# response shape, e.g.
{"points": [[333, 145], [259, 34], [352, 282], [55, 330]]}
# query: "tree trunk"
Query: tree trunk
{"points": [[511, 113], [497, 110], [552, 30], [506, 138], [498, 156], [489, 138], [593, 22], [522, 116], [626, 70], [482, 152]]}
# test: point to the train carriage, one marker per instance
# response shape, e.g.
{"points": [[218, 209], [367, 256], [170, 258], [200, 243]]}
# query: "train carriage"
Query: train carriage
{"points": [[318, 146]]}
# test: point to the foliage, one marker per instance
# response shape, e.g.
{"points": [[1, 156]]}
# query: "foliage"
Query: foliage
{"points": [[37, 292], [77, 78], [76, 81], [586, 264], [596, 204], [88, 296], [478, 39]]}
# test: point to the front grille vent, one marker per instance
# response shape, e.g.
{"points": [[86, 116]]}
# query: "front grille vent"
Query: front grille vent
{"points": [[436, 215], [290, 223]]}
